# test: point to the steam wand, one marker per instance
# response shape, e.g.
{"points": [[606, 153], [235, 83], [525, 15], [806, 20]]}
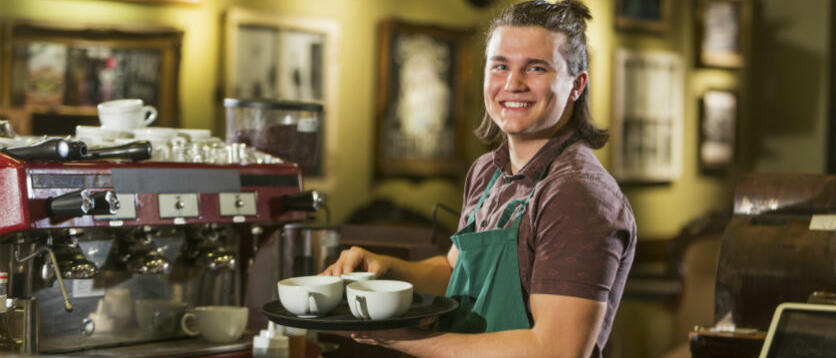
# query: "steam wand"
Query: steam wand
{"points": [[67, 305]]}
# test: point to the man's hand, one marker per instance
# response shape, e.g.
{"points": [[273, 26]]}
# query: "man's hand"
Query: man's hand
{"points": [[358, 258]]}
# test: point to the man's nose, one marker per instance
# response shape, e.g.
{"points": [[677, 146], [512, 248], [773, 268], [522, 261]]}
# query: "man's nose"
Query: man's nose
{"points": [[515, 82]]}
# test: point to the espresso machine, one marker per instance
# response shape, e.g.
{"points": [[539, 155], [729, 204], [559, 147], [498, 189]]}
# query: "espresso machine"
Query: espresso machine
{"points": [[105, 249]]}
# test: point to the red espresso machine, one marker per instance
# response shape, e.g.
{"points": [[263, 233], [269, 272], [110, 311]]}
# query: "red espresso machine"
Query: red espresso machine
{"points": [[106, 252]]}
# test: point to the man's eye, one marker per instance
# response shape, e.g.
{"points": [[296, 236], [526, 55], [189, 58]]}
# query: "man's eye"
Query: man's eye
{"points": [[500, 67], [538, 69]]}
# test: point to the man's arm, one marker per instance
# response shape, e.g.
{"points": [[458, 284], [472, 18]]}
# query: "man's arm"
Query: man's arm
{"points": [[564, 326], [427, 276]]}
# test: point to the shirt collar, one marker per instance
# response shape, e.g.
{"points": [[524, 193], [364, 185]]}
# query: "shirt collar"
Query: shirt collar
{"points": [[538, 163]]}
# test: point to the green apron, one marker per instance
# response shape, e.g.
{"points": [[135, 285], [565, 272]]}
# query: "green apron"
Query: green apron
{"points": [[486, 278]]}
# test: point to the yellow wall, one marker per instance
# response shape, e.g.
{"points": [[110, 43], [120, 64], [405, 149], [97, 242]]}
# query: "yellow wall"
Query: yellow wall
{"points": [[790, 87], [660, 210]]}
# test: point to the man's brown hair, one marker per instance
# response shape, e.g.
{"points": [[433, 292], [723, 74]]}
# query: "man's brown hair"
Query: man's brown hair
{"points": [[568, 17]]}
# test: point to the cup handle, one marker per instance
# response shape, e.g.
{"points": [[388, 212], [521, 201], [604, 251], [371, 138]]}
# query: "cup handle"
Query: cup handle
{"points": [[184, 324], [149, 114], [360, 307], [311, 305]]}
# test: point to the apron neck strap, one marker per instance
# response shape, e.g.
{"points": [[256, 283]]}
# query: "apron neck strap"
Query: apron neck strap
{"points": [[514, 204], [484, 196], [523, 204]]}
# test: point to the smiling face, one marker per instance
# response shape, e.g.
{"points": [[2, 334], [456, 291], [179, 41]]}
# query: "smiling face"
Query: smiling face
{"points": [[528, 89]]}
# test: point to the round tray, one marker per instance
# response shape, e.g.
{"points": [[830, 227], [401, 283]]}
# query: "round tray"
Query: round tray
{"points": [[424, 309]]}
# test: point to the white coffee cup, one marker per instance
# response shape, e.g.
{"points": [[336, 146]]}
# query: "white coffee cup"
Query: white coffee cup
{"points": [[310, 296], [357, 276], [217, 324], [126, 114], [378, 299]]}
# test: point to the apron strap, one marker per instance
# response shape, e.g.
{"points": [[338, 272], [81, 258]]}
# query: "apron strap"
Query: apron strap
{"points": [[484, 196], [523, 204]]}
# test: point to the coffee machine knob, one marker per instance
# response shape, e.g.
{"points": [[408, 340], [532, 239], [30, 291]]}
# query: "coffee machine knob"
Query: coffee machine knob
{"points": [[88, 326], [104, 203], [76, 203]]}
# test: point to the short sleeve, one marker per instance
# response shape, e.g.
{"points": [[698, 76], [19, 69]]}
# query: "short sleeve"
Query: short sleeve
{"points": [[584, 227]]}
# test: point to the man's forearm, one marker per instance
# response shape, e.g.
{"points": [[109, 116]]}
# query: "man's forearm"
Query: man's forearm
{"points": [[516, 343], [427, 276]]}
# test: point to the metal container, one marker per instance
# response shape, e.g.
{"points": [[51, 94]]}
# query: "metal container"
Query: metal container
{"points": [[289, 130], [308, 249]]}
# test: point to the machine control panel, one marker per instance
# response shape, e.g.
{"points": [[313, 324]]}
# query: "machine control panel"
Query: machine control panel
{"points": [[127, 208], [237, 204], [183, 205]]}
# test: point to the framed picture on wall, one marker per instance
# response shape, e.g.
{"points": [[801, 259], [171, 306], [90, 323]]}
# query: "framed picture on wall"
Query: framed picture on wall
{"points": [[269, 56], [58, 72], [721, 26], [423, 77], [647, 116], [643, 15], [718, 121]]}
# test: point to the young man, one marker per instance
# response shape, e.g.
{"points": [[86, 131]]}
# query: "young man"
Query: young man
{"points": [[546, 237]]}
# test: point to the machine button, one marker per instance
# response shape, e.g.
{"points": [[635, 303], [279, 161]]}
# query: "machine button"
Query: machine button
{"points": [[125, 205], [88, 326], [183, 205], [237, 204]]}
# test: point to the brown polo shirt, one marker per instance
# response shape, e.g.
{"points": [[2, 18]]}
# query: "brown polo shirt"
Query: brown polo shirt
{"points": [[578, 235]]}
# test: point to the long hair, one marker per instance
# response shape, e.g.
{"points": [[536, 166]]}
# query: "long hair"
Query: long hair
{"points": [[568, 17]]}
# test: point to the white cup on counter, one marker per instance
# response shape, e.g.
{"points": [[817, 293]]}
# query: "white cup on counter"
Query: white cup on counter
{"points": [[310, 296], [378, 299], [126, 114], [216, 324]]}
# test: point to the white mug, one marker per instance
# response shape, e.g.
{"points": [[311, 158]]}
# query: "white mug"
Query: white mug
{"points": [[217, 324], [126, 114], [310, 296], [378, 299]]}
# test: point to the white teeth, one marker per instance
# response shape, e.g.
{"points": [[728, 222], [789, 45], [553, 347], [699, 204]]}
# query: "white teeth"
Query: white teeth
{"points": [[517, 104]]}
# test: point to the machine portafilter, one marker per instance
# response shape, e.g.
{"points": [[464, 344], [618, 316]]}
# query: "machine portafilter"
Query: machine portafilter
{"points": [[49, 150], [206, 249], [71, 260], [139, 254], [63, 150]]}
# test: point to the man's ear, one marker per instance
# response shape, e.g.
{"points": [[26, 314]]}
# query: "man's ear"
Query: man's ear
{"points": [[579, 84]]}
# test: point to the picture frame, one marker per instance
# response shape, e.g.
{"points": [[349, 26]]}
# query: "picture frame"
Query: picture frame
{"points": [[424, 76], [718, 124], [58, 72], [648, 115], [643, 15], [272, 56], [721, 30]]}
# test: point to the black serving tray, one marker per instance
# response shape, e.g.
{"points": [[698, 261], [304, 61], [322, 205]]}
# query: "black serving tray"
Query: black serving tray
{"points": [[424, 309]]}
